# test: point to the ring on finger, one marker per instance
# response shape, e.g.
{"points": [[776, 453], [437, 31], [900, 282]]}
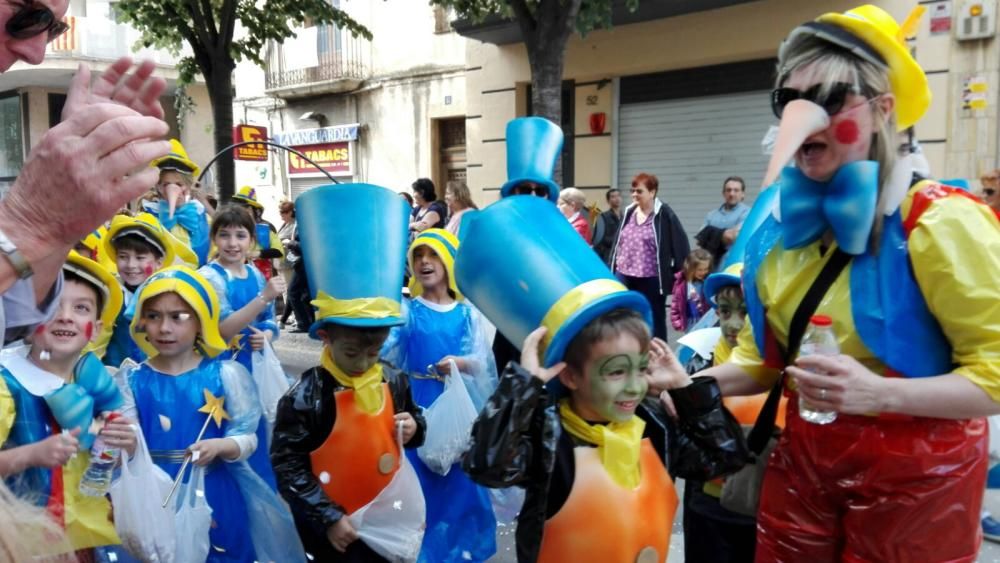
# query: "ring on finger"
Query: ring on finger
{"points": [[822, 394]]}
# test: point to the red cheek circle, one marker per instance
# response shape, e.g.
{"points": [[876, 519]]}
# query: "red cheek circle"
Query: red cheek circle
{"points": [[148, 269], [89, 330], [847, 132], [40, 329]]}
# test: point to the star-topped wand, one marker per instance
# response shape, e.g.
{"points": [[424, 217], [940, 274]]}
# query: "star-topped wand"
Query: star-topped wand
{"points": [[215, 410]]}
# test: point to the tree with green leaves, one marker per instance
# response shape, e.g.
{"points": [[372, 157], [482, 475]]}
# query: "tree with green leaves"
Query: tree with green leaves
{"points": [[546, 26], [208, 27]]}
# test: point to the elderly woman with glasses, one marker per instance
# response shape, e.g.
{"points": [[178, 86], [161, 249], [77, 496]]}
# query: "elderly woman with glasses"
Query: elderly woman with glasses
{"points": [[898, 473]]}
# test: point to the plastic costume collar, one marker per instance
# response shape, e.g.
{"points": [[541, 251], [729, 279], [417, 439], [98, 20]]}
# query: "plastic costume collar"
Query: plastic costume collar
{"points": [[846, 205], [196, 292], [533, 145], [617, 443], [445, 245], [112, 297], [367, 387], [872, 34]]}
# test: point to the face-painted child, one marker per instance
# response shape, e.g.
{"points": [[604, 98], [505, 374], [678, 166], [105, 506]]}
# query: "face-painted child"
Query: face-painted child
{"points": [[732, 311]]}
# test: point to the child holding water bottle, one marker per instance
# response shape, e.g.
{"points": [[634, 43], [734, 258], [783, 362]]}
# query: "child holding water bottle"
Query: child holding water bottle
{"points": [[53, 401]]}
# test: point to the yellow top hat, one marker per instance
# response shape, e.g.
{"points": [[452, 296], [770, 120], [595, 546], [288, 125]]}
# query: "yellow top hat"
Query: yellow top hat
{"points": [[247, 195], [95, 244], [445, 245], [874, 35], [177, 160], [197, 292], [112, 297], [148, 227]]}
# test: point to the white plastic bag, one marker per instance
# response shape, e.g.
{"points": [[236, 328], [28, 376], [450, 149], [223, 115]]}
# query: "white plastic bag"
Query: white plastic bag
{"points": [[994, 448], [193, 518], [145, 527], [270, 379], [449, 424], [393, 523]]}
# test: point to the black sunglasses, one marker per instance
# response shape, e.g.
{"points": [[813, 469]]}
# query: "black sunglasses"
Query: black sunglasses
{"points": [[532, 189], [831, 104], [989, 191], [31, 19]]}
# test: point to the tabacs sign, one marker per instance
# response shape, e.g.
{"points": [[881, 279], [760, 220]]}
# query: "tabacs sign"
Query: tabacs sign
{"points": [[334, 158], [242, 133]]}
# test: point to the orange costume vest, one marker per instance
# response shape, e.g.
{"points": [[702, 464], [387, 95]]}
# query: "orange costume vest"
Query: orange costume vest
{"points": [[360, 456], [746, 409], [602, 521]]}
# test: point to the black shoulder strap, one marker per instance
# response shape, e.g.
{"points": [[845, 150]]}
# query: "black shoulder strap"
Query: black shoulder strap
{"points": [[763, 428]]}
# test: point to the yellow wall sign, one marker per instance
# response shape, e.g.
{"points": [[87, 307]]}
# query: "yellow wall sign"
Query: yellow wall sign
{"points": [[242, 133]]}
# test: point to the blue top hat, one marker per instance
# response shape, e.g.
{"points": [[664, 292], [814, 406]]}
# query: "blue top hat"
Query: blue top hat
{"points": [[546, 275], [533, 145], [354, 239]]}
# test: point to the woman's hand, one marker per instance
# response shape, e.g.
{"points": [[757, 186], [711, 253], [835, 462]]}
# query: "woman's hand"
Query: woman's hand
{"points": [[54, 450], [207, 451], [838, 383], [258, 338], [118, 433], [529, 357], [404, 420], [665, 372], [341, 534]]}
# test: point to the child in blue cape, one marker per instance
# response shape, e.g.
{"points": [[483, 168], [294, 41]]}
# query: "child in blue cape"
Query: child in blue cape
{"points": [[176, 324], [442, 327]]}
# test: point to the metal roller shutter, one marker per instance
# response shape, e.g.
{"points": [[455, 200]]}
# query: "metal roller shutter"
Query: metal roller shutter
{"points": [[692, 145], [301, 185]]}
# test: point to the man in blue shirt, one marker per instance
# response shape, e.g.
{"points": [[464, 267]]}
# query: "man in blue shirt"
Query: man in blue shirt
{"points": [[723, 224]]}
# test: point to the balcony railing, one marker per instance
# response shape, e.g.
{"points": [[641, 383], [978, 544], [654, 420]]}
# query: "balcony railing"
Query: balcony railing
{"points": [[320, 59], [103, 39]]}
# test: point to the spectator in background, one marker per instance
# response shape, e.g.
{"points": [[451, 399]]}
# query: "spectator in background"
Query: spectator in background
{"points": [[407, 197], [723, 224], [287, 264], [428, 212], [650, 248], [991, 189], [606, 227], [688, 302], [459, 200], [570, 203]]}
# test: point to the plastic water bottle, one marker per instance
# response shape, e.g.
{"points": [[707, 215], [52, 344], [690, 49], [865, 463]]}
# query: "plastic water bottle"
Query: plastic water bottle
{"points": [[820, 340], [97, 479]]}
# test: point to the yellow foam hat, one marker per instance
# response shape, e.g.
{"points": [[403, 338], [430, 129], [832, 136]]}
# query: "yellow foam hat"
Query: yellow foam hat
{"points": [[177, 160], [874, 35], [94, 242], [445, 245], [196, 292], [149, 228], [247, 195], [111, 296]]}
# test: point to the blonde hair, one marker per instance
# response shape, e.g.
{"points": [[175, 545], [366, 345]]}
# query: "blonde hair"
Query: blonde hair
{"points": [[698, 257], [829, 64], [574, 197], [28, 533], [460, 194]]}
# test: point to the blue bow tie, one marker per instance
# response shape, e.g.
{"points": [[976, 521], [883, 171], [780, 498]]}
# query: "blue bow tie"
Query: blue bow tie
{"points": [[845, 204], [187, 215]]}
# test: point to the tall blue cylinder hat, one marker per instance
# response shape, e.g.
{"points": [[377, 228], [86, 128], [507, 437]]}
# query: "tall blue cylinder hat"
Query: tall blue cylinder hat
{"points": [[533, 145], [522, 278], [354, 239]]}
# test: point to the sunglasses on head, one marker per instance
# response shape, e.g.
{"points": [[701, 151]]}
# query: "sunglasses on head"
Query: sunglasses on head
{"points": [[532, 189], [31, 19], [832, 103]]}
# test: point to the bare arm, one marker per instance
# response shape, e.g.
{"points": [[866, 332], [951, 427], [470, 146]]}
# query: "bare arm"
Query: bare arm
{"points": [[733, 380]]}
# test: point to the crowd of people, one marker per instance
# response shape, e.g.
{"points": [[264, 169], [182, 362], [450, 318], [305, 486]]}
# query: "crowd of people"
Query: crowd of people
{"points": [[505, 365]]}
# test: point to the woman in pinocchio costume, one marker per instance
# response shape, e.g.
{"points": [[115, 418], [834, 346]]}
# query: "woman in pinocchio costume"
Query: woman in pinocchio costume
{"points": [[340, 431], [593, 447], [916, 312]]}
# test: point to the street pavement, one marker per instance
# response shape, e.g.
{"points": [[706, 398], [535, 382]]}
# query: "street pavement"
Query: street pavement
{"points": [[298, 353]]}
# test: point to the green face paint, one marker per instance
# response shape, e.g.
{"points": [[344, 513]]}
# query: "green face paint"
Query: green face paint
{"points": [[615, 384], [732, 316], [356, 350]]}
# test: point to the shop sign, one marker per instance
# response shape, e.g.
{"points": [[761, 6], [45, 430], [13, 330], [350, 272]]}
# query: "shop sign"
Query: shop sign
{"points": [[334, 158], [242, 133]]}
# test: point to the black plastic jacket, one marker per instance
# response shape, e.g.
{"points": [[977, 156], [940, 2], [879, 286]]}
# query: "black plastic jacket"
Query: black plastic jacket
{"points": [[305, 418], [515, 441]]}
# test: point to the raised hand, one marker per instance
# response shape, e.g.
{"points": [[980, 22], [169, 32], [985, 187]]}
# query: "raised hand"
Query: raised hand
{"points": [[529, 357]]}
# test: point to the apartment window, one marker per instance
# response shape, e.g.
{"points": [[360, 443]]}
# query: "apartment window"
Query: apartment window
{"points": [[11, 136]]}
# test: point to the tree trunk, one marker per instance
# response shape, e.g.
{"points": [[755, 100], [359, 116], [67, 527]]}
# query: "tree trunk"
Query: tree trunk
{"points": [[546, 91], [220, 95]]}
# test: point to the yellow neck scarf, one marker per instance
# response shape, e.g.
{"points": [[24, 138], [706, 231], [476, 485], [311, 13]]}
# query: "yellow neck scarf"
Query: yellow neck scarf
{"points": [[367, 386], [617, 443], [722, 352]]}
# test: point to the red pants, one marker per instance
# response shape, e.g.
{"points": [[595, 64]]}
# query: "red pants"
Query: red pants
{"points": [[873, 489]]}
